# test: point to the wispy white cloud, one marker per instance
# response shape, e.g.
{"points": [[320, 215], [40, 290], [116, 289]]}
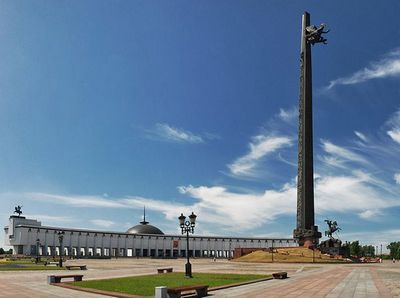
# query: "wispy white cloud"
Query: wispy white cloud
{"points": [[332, 161], [245, 211], [276, 136], [51, 218], [289, 116], [356, 193], [338, 154], [361, 136], [76, 201], [259, 147], [166, 132], [389, 66], [350, 193], [102, 223], [288, 162], [169, 209], [393, 125], [354, 180], [395, 135], [80, 201], [370, 214], [396, 178]]}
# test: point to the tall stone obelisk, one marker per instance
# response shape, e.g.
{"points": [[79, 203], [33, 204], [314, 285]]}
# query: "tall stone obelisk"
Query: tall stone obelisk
{"points": [[306, 231]]}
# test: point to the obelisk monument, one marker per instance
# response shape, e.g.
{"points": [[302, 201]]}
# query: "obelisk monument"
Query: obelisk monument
{"points": [[306, 231]]}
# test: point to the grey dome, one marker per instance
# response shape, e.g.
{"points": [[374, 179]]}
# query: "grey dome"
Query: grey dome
{"points": [[145, 229]]}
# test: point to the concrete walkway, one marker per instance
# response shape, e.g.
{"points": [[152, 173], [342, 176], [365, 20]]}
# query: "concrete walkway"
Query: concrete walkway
{"points": [[335, 282], [358, 283]]}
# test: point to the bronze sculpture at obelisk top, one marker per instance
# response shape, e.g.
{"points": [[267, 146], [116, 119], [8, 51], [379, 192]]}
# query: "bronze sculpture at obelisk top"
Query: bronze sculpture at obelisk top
{"points": [[306, 231]]}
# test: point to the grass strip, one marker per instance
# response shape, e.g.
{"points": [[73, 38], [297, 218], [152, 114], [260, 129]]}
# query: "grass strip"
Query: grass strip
{"points": [[25, 264], [144, 285], [24, 267], [31, 268]]}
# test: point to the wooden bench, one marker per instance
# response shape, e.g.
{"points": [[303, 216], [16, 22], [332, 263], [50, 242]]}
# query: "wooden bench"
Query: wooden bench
{"points": [[164, 270], [81, 267], [201, 290], [51, 263], [279, 275], [53, 279]]}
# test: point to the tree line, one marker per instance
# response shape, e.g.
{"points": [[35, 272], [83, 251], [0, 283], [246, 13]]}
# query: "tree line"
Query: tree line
{"points": [[394, 248], [356, 250], [6, 252]]}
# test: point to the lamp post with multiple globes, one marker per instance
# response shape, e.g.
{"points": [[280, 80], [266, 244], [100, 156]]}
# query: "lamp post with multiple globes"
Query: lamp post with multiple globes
{"points": [[60, 239], [37, 250], [187, 226]]}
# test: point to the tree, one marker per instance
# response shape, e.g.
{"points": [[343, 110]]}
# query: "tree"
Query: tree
{"points": [[355, 249], [6, 252], [394, 248], [368, 251]]}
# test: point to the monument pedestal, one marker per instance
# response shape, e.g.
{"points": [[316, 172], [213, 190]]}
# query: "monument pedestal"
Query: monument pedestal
{"points": [[334, 247], [307, 237]]}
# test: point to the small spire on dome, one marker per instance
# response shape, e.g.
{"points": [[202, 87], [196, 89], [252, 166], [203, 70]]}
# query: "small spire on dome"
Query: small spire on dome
{"points": [[144, 222]]}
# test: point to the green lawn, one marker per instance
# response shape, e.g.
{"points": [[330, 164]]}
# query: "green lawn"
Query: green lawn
{"points": [[144, 285], [24, 264], [29, 268]]}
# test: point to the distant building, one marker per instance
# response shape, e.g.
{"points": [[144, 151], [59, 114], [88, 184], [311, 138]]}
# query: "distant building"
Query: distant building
{"points": [[29, 237]]}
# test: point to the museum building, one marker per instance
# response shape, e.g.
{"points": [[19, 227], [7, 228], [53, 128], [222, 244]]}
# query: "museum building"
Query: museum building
{"points": [[29, 237]]}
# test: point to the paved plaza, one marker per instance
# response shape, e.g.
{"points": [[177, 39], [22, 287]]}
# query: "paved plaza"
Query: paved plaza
{"points": [[305, 280]]}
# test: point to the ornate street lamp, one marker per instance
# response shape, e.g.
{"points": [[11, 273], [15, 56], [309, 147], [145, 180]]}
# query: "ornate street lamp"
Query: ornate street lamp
{"points": [[187, 226], [60, 239], [37, 250]]}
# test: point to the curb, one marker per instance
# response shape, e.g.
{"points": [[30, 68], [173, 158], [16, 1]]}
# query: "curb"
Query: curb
{"points": [[239, 284], [94, 291]]}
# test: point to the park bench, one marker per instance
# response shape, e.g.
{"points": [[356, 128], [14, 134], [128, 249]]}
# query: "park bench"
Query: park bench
{"points": [[81, 267], [279, 275], [51, 279], [164, 270], [201, 290], [51, 263]]}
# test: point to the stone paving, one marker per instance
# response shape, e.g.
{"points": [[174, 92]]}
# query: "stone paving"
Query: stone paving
{"points": [[305, 280], [358, 283]]}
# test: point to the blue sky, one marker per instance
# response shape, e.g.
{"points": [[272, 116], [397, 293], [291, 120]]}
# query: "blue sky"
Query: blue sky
{"points": [[106, 106]]}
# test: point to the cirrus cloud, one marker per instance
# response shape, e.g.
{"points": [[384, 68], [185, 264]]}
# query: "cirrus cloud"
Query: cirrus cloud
{"points": [[166, 132], [102, 223], [388, 66], [394, 127], [259, 147], [397, 178], [290, 115], [361, 136], [338, 155]]}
